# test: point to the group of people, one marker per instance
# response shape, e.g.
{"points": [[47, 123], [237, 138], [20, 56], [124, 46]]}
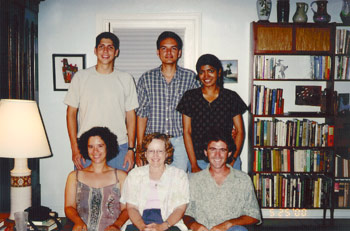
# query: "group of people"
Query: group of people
{"points": [[182, 121]]}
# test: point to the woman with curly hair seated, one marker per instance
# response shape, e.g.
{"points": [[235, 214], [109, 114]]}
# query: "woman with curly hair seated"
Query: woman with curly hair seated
{"points": [[157, 194], [92, 195]]}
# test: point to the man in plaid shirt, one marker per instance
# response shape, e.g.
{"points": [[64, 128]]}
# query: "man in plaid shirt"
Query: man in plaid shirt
{"points": [[159, 91]]}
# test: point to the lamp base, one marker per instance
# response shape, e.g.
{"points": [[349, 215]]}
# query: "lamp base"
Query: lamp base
{"points": [[21, 187]]}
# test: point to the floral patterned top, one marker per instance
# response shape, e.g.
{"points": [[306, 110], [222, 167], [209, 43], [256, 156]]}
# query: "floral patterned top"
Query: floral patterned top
{"points": [[98, 207]]}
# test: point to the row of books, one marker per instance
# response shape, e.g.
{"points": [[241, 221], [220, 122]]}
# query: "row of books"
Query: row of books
{"points": [[293, 133], [341, 191], [342, 167], [265, 67], [320, 67], [289, 160], [291, 191], [343, 68], [267, 101], [342, 42]]}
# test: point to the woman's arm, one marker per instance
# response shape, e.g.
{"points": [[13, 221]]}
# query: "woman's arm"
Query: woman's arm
{"points": [[123, 216], [186, 121], [238, 123], [70, 204], [135, 216]]}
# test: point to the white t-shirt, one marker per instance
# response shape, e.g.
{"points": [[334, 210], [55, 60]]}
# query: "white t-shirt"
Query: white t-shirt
{"points": [[102, 100]]}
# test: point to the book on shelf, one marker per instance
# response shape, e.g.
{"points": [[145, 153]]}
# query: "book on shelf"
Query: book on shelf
{"points": [[45, 225], [286, 191], [265, 67], [342, 41], [2, 222], [342, 68], [342, 166], [304, 133]]}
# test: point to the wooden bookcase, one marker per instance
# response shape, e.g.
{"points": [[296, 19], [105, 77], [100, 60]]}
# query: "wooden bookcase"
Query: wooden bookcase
{"points": [[291, 148], [341, 195]]}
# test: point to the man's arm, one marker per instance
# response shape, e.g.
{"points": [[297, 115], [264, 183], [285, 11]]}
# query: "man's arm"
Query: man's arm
{"points": [[193, 225], [239, 127], [187, 129], [141, 128], [242, 220], [131, 129], [72, 132]]}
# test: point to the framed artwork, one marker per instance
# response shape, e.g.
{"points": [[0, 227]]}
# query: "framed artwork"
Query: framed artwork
{"points": [[308, 95], [64, 67], [230, 70]]}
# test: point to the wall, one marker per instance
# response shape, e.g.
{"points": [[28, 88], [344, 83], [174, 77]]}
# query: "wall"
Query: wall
{"points": [[69, 26]]}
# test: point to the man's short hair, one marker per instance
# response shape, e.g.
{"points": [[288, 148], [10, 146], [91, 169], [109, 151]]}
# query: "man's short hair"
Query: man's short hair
{"points": [[108, 35], [212, 60], [169, 34], [216, 135]]}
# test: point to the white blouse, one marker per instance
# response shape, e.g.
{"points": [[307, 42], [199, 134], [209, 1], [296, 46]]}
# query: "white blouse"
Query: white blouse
{"points": [[173, 190]]}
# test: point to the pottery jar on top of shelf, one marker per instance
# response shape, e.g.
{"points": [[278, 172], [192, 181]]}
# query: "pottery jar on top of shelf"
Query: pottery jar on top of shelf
{"points": [[300, 14]]}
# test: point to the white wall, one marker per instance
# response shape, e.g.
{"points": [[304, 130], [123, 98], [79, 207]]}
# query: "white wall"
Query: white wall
{"points": [[69, 26]]}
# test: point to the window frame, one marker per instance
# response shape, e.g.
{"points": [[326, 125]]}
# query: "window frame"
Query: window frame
{"points": [[190, 21]]}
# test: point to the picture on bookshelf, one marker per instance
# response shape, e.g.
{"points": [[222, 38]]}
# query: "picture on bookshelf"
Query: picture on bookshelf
{"points": [[230, 70], [308, 95], [344, 103]]}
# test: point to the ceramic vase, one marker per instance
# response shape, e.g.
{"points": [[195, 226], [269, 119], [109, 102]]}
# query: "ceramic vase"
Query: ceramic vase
{"points": [[300, 14], [263, 9], [345, 12]]}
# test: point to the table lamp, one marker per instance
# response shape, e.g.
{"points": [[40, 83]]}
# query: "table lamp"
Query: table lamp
{"points": [[22, 136]]}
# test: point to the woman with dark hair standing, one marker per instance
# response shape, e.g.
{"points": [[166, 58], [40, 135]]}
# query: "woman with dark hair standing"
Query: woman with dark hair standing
{"points": [[92, 195], [211, 107]]}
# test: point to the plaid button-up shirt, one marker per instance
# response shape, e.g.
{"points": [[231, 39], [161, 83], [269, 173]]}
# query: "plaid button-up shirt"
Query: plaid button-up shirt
{"points": [[158, 99]]}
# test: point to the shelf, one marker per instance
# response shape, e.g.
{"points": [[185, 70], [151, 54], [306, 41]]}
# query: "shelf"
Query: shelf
{"points": [[344, 179], [325, 174], [296, 114], [291, 147], [294, 80]]}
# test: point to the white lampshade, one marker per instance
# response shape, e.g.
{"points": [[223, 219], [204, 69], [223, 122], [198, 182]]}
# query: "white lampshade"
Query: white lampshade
{"points": [[22, 134]]}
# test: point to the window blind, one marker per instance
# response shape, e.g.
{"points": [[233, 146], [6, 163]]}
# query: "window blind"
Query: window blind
{"points": [[138, 49]]}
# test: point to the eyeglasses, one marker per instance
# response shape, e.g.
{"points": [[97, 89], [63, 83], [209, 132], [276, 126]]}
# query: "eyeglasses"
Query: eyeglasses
{"points": [[161, 152], [221, 150]]}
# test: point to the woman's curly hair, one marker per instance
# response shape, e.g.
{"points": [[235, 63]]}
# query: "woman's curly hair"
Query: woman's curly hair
{"points": [[106, 135], [148, 139]]}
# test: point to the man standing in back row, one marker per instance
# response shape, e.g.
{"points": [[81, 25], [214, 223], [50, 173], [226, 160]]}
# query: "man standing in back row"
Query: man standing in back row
{"points": [[104, 97], [159, 91]]}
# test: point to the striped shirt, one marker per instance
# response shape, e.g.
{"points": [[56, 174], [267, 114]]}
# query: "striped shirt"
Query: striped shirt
{"points": [[158, 99]]}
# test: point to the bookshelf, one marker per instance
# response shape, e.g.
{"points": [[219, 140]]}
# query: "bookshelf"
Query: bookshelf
{"points": [[291, 124], [341, 195]]}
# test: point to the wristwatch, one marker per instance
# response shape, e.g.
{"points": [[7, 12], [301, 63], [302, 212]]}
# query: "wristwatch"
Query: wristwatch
{"points": [[132, 149]]}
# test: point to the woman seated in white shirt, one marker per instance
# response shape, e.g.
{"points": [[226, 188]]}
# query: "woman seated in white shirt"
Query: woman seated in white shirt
{"points": [[157, 194]]}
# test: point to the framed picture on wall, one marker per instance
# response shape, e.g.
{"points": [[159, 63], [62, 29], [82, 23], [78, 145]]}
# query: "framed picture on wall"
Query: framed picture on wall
{"points": [[64, 68], [230, 70]]}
